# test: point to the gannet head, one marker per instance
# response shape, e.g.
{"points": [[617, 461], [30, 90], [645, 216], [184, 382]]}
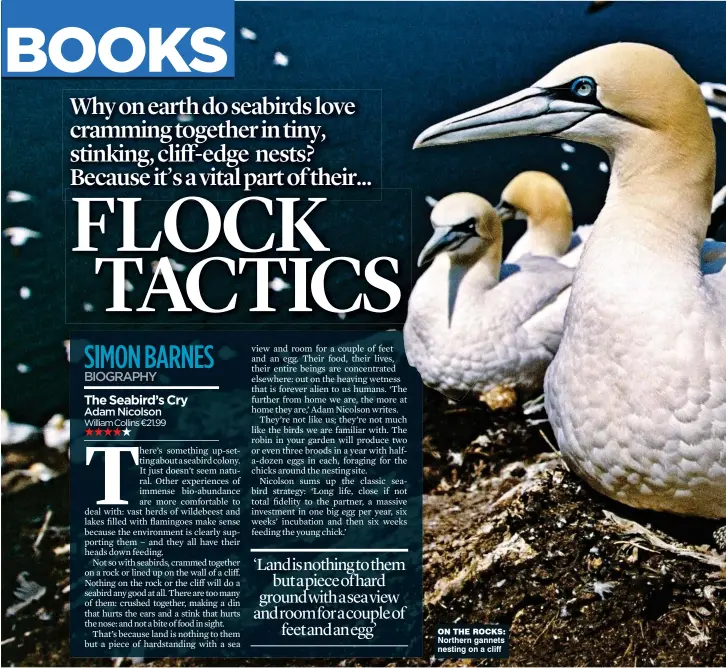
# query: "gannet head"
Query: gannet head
{"points": [[541, 200], [465, 226], [608, 97], [534, 196]]}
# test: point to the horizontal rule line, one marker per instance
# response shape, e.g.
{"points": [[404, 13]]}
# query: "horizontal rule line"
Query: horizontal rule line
{"points": [[331, 549], [328, 645], [151, 387], [156, 440]]}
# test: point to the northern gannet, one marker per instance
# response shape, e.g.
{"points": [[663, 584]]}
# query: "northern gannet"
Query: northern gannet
{"points": [[278, 284], [280, 59], [541, 200], [19, 236], [12, 433], [466, 329], [57, 433], [246, 33], [17, 196], [637, 391]]}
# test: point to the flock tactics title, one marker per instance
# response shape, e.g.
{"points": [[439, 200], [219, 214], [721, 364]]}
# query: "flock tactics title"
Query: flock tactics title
{"points": [[142, 39], [165, 281]]}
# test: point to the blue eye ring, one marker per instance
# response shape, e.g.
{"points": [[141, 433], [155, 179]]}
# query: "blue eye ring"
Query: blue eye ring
{"points": [[583, 87]]}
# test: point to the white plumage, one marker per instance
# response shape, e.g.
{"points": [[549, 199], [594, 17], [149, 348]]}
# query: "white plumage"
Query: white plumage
{"points": [[466, 329], [637, 391]]}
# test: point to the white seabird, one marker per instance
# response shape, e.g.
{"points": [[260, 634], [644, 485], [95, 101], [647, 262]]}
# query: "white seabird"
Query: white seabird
{"points": [[57, 433], [246, 33], [541, 200], [280, 59], [19, 235], [278, 284], [16, 197], [25, 292], [12, 433], [176, 266], [474, 325], [637, 391]]}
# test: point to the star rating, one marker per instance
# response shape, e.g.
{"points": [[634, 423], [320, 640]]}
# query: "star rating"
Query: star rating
{"points": [[107, 432]]}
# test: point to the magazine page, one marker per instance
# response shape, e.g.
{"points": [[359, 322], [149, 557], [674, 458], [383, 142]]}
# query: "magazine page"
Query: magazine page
{"points": [[300, 369]]}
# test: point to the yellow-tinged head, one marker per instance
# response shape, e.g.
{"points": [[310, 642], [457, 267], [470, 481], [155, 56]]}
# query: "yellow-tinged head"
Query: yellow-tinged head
{"points": [[633, 100], [542, 201], [536, 196], [593, 97], [465, 226]]}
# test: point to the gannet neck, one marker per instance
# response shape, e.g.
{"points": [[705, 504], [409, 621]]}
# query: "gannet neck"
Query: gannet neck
{"points": [[661, 188], [551, 235], [483, 264]]}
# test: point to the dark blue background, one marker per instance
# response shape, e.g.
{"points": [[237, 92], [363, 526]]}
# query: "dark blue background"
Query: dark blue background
{"points": [[431, 60]]}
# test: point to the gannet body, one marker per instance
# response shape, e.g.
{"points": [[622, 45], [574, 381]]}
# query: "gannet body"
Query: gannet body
{"points": [[467, 330], [637, 391], [541, 200]]}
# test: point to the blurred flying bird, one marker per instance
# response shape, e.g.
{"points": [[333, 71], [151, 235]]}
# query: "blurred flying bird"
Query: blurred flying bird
{"points": [[597, 5], [280, 59], [19, 235], [16, 197]]}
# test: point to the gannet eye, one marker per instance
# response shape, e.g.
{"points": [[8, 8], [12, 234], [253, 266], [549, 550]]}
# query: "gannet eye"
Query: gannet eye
{"points": [[467, 226], [583, 87]]}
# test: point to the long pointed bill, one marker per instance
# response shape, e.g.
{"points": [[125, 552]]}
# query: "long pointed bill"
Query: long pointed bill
{"points": [[443, 239], [505, 211], [532, 111]]}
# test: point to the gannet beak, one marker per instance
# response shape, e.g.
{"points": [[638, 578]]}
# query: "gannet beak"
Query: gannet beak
{"points": [[532, 111], [443, 239], [505, 211]]}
